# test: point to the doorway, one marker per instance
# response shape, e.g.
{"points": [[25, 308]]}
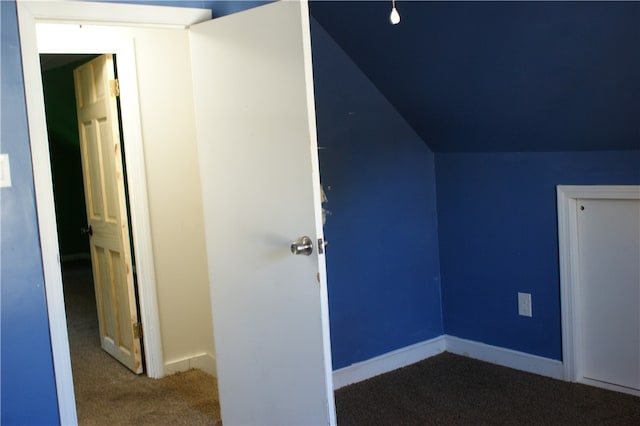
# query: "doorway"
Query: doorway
{"points": [[95, 373], [599, 235], [74, 173], [179, 275], [172, 147]]}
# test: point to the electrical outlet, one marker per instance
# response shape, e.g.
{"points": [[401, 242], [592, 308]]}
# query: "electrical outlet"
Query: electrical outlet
{"points": [[524, 304]]}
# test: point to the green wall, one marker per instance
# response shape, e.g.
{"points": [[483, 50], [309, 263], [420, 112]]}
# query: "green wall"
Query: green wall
{"points": [[66, 166]]}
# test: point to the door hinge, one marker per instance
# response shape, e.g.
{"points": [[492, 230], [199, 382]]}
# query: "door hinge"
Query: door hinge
{"points": [[114, 88], [137, 330]]}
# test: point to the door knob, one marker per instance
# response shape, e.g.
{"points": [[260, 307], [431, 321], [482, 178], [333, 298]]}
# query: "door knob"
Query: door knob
{"points": [[303, 246], [87, 231]]}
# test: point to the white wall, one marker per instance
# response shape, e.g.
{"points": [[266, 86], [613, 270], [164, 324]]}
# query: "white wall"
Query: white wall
{"points": [[162, 67], [173, 184]]}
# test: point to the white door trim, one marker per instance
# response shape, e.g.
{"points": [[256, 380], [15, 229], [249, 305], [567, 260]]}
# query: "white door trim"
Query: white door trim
{"points": [[30, 14], [568, 251]]}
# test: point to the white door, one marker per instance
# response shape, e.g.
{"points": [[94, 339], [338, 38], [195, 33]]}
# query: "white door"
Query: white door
{"points": [[108, 230], [255, 119], [608, 293]]}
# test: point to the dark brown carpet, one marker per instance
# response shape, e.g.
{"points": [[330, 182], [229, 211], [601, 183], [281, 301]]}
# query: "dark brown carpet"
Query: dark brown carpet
{"points": [[452, 390], [109, 394]]}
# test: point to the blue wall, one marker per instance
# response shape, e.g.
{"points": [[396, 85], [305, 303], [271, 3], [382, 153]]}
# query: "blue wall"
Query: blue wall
{"points": [[27, 378], [498, 236], [382, 258]]}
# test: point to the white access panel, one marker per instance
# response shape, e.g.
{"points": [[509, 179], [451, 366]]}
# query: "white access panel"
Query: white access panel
{"points": [[608, 291]]}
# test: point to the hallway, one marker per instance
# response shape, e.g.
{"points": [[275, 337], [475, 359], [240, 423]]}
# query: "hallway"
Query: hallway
{"points": [[108, 393]]}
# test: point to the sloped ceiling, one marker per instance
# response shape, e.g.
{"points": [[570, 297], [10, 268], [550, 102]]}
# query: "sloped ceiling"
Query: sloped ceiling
{"points": [[501, 76]]}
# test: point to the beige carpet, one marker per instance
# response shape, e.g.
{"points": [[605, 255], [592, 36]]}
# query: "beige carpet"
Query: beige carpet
{"points": [[109, 394]]}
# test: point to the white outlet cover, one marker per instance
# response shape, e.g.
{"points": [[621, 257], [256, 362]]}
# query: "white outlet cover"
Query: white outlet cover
{"points": [[524, 304], [5, 171]]}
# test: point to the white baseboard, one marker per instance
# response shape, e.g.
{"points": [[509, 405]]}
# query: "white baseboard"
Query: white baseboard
{"points": [[205, 362], [609, 386], [387, 362], [411, 354], [506, 357]]}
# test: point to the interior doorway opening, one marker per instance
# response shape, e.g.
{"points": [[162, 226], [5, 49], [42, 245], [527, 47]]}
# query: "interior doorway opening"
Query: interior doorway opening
{"points": [[76, 176], [93, 369], [45, 29]]}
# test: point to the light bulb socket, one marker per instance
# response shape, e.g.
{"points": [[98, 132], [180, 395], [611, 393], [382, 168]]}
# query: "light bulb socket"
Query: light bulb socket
{"points": [[394, 17]]}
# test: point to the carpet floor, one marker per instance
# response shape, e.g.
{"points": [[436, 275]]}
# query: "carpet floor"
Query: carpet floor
{"points": [[453, 390], [443, 390], [109, 394]]}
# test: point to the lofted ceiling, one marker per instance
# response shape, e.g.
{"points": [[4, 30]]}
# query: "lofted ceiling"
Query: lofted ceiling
{"points": [[501, 76]]}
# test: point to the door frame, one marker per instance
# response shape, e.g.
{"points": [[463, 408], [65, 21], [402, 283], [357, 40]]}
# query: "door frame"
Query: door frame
{"points": [[567, 198], [29, 15]]}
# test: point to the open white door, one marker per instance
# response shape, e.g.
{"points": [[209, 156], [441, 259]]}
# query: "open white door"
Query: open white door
{"points": [[108, 230], [255, 122]]}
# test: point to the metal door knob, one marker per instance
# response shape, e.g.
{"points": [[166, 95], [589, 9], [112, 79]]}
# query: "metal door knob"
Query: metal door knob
{"points": [[303, 246], [87, 231]]}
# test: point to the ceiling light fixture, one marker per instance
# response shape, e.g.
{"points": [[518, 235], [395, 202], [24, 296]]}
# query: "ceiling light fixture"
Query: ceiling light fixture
{"points": [[395, 16]]}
